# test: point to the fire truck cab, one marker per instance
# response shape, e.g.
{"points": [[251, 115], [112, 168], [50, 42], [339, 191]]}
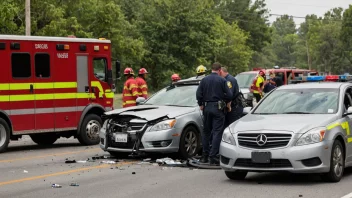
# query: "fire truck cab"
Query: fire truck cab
{"points": [[52, 87]]}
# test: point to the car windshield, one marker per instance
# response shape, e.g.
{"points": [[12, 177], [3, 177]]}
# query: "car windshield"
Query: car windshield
{"points": [[300, 101], [245, 80], [184, 96]]}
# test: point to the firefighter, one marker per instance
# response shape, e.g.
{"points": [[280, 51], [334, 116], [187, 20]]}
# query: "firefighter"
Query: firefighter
{"points": [[142, 84], [175, 78], [130, 89], [201, 70]]}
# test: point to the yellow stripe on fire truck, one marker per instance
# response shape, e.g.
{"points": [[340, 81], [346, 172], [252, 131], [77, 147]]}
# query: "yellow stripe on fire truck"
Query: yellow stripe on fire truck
{"points": [[52, 85]]}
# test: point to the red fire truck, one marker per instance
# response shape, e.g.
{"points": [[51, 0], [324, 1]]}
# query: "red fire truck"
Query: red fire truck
{"points": [[53, 87]]}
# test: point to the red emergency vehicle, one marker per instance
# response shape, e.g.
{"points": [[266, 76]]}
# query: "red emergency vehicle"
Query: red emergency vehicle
{"points": [[53, 87]]}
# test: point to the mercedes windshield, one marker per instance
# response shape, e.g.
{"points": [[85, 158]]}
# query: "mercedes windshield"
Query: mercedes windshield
{"points": [[300, 101]]}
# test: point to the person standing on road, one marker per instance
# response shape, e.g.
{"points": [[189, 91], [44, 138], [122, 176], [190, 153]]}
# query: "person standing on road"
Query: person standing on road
{"points": [[130, 89], [142, 84], [213, 95], [236, 107], [258, 86]]}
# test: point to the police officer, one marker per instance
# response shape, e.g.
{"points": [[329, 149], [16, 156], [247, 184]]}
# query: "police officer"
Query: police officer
{"points": [[236, 108], [212, 95]]}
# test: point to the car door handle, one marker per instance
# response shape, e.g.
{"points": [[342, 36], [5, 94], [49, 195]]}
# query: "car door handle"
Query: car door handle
{"points": [[31, 89]]}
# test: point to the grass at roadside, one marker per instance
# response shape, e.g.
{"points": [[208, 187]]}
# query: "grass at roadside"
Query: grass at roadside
{"points": [[118, 101]]}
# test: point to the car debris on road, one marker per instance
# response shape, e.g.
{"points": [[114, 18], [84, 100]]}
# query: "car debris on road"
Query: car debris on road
{"points": [[56, 186]]}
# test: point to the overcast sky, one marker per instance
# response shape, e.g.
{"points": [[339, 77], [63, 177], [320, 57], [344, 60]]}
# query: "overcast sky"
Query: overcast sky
{"points": [[301, 8]]}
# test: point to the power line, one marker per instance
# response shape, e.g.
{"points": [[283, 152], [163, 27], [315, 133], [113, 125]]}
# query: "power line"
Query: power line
{"points": [[302, 5], [270, 14]]}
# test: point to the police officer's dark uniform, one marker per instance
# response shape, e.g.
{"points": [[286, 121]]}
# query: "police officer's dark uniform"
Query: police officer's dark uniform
{"points": [[211, 92], [237, 108]]}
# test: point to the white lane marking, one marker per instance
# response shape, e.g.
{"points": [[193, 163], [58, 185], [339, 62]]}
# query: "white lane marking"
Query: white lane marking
{"points": [[347, 196]]}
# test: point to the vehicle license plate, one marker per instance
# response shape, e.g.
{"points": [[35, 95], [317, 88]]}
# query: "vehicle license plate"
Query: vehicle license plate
{"points": [[261, 157], [121, 137]]}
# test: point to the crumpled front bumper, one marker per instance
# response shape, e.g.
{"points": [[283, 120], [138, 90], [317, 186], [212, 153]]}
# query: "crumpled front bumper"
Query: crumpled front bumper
{"points": [[291, 158], [151, 141]]}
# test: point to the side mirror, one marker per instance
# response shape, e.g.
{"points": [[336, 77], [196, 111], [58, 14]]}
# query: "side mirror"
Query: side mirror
{"points": [[349, 111], [118, 69], [140, 100], [110, 80], [246, 110]]}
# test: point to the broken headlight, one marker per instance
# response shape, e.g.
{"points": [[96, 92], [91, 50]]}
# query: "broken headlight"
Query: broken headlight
{"points": [[164, 125]]}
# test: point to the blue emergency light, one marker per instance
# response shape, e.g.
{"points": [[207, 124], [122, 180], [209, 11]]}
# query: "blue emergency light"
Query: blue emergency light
{"points": [[342, 77], [315, 78]]}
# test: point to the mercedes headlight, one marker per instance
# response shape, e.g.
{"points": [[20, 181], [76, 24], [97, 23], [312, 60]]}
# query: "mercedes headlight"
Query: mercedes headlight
{"points": [[228, 137], [313, 136], [164, 125]]}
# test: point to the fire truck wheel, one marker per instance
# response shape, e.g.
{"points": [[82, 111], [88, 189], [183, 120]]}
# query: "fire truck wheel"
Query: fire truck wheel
{"points": [[45, 138], [89, 132], [4, 135]]}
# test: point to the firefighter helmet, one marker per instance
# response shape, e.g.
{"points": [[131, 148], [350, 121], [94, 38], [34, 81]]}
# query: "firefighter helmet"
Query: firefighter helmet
{"points": [[128, 70], [175, 77], [201, 69], [142, 71]]}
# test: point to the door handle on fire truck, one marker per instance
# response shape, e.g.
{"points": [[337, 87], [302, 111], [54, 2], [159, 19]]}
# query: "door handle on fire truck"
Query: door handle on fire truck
{"points": [[31, 88]]}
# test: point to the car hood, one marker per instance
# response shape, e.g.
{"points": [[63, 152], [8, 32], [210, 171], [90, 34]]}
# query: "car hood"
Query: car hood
{"points": [[284, 122], [152, 112]]}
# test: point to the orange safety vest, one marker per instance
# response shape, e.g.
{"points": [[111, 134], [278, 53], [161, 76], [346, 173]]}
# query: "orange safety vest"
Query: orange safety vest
{"points": [[129, 93], [142, 87]]}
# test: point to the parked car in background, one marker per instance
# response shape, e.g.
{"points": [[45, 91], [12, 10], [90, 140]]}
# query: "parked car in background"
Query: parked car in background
{"points": [[287, 75]]}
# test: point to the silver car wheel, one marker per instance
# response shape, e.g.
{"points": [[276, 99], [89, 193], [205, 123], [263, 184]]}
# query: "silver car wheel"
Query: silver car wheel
{"points": [[337, 161], [93, 129], [191, 142], [2, 135]]}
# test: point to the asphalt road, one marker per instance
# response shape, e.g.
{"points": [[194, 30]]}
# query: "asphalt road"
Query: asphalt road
{"points": [[28, 170]]}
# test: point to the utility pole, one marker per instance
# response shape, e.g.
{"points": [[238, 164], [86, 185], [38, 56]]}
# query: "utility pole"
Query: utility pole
{"points": [[309, 65], [28, 17]]}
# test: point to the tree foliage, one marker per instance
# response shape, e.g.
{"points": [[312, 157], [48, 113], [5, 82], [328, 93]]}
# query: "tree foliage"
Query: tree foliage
{"points": [[175, 36]]}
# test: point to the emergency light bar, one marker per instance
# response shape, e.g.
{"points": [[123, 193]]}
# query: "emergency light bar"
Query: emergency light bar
{"points": [[315, 78]]}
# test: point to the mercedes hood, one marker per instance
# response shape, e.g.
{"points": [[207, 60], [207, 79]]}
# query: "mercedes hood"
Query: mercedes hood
{"points": [[297, 123]]}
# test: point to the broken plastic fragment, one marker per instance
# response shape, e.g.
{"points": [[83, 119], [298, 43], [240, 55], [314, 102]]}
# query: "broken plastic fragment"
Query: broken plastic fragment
{"points": [[56, 186], [108, 162], [70, 161], [25, 171]]}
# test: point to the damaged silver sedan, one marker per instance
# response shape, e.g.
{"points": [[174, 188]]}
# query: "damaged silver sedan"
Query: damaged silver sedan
{"points": [[168, 122]]}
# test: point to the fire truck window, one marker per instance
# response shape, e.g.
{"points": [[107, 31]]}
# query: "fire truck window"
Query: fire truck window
{"points": [[21, 65], [100, 65], [42, 65]]}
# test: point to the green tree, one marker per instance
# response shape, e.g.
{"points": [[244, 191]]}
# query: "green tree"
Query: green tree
{"points": [[252, 17], [231, 49], [346, 33], [284, 40]]}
